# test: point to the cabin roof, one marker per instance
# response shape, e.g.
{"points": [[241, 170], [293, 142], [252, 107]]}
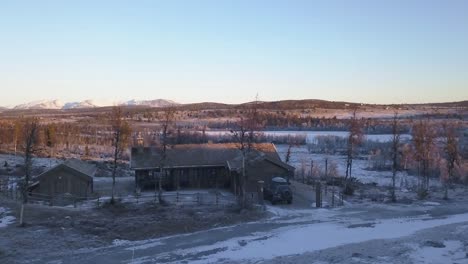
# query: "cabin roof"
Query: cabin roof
{"points": [[200, 155], [83, 169]]}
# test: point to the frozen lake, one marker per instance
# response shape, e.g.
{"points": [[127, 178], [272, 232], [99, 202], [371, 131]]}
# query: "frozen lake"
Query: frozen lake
{"points": [[312, 135]]}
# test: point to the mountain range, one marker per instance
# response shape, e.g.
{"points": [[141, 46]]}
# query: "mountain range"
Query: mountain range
{"points": [[278, 105], [57, 104]]}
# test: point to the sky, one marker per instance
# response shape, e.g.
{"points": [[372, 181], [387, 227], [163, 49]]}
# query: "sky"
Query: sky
{"points": [[398, 51]]}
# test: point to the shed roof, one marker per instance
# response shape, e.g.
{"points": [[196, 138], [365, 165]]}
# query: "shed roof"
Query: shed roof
{"points": [[85, 170], [81, 166]]}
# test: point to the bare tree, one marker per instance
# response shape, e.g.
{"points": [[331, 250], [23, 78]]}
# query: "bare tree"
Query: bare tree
{"points": [[30, 145], [16, 133], [396, 134], [452, 154], [120, 137], [245, 135], [167, 123], [423, 141], [354, 140], [50, 134]]}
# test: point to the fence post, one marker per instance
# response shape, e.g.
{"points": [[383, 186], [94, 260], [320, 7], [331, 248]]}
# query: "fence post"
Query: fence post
{"points": [[318, 195], [333, 196], [177, 197], [198, 198], [217, 198]]}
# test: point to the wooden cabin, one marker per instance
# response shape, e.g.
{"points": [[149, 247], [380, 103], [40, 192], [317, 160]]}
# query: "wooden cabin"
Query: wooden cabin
{"points": [[206, 166], [72, 177]]}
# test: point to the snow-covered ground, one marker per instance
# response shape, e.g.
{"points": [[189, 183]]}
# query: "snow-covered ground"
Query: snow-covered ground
{"points": [[448, 252], [13, 160], [300, 155], [420, 233], [263, 246], [5, 218]]}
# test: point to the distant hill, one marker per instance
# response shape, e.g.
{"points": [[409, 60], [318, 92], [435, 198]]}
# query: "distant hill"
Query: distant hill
{"points": [[57, 104], [149, 103], [80, 105], [42, 104]]}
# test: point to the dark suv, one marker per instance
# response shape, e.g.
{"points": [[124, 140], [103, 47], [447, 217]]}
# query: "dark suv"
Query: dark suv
{"points": [[278, 190]]}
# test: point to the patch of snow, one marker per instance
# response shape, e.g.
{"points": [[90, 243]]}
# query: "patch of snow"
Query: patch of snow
{"points": [[78, 105], [5, 219], [150, 103], [431, 203], [146, 245], [120, 242], [453, 252]]}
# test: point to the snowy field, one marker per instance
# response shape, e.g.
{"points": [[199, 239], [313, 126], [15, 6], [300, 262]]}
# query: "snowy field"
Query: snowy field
{"points": [[300, 155]]}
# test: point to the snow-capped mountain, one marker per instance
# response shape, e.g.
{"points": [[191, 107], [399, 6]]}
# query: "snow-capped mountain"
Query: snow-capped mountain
{"points": [[150, 103], [78, 105], [57, 104], [42, 104]]}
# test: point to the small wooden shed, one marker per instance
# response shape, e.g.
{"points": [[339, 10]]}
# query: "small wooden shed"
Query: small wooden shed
{"points": [[72, 177]]}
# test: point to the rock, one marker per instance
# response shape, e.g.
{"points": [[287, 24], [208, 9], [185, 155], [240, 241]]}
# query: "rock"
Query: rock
{"points": [[434, 244], [242, 243], [356, 255]]}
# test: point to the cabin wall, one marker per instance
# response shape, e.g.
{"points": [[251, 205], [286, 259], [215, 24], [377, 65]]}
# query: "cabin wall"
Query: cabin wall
{"points": [[61, 181], [184, 178]]}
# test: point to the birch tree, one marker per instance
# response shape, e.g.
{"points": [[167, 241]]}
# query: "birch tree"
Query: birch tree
{"points": [[423, 141], [354, 140], [30, 140], [452, 155], [396, 134], [121, 132], [245, 135], [167, 123]]}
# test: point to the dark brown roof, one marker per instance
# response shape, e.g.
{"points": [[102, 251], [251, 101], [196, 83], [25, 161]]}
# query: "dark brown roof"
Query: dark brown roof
{"points": [[195, 155], [254, 157], [85, 170], [81, 166]]}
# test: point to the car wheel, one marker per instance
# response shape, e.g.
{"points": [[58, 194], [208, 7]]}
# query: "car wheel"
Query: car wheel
{"points": [[290, 201]]}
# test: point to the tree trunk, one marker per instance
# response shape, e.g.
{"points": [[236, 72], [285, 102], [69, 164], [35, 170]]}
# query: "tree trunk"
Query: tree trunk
{"points": [[244, 195], [161, 173], [114, 171], [393, 185], [21, 223]]}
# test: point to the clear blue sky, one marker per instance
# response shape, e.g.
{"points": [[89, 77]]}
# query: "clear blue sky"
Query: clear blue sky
{"points": [[228, 51]]}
